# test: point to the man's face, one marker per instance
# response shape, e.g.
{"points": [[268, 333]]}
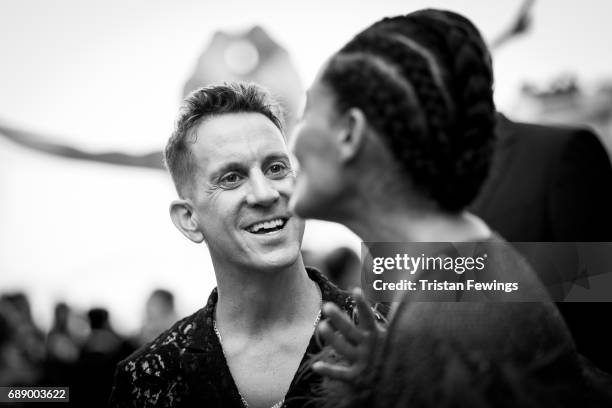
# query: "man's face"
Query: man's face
{"points": [[241, 189]]}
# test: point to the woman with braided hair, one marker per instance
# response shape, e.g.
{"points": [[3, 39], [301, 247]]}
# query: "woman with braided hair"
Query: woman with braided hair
{"points": [[394, 143], [422, 84]]}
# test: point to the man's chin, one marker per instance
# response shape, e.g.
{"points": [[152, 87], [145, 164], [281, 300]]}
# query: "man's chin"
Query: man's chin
{"points": [[279, 249], [280, 259]]}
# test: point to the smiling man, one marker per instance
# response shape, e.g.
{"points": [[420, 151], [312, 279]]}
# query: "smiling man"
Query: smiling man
{"points": [[230, 165]]}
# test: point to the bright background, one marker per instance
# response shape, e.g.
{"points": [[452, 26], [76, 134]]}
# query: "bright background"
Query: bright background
{"points": [[109, 75]]}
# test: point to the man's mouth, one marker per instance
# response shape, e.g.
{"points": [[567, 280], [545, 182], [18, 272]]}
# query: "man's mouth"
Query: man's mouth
{"points": [[266, 227]]}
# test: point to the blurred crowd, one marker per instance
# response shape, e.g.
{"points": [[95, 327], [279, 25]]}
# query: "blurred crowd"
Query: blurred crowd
{"points": [[80, 350]]}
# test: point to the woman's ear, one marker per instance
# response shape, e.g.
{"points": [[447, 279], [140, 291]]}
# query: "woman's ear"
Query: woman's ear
{"points": [[183, 217], [353, 135]]}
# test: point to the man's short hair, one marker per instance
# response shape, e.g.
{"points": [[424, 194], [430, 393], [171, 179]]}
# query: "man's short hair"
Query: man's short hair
{"points": [[207, 102]]}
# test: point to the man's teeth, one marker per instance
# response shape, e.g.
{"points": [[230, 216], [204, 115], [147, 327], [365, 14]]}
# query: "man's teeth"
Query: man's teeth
{"points": [[272, 224]]}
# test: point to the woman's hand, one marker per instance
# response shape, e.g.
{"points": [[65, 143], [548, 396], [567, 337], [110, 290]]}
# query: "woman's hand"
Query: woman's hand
{"points": [[355, 343]]}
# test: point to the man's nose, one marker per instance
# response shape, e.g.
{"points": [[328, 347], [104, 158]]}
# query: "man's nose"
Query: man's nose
{"points": [[262, 191]]}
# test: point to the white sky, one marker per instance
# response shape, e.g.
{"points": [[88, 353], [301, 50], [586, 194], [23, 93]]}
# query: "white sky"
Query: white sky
{"points": [[109, 74]]}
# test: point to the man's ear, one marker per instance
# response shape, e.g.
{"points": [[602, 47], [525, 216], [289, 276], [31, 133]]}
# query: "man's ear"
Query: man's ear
{"points": [[181, 212], [353, 135]]}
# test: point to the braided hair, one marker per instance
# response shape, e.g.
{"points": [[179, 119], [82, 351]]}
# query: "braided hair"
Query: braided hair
{"points": [[425, 82]]}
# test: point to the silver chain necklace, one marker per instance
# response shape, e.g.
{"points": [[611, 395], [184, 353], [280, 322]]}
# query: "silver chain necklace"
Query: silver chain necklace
{"points": [[280, 403]]}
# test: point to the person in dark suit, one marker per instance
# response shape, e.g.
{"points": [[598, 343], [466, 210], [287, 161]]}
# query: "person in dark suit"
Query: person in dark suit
{"points": [[547, 184], [553, 184]]}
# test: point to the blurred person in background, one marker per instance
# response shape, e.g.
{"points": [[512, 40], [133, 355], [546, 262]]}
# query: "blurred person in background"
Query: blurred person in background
{"points": [[62, 347], [25, 350], [547, 184], [159, 315], [62, 343], [15, 369], [395, 142], [231, 169], [98, 357]]}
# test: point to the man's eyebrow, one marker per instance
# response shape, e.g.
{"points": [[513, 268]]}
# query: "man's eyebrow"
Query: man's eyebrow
{"points": [[276, 156]]}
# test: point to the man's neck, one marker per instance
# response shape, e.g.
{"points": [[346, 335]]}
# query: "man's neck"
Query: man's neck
{"points": [[255, 301]]}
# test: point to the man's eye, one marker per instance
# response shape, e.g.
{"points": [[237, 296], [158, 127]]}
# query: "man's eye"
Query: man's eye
{"points": [[230, 180], [278, 170]]}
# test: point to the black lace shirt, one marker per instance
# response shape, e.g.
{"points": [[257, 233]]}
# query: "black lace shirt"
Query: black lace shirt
{"points": [[185, 365]]}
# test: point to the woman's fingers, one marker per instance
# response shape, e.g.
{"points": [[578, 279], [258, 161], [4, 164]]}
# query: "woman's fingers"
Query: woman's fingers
{"points": [[342, 323], [335, 371], [354, 343], [336, 340], [367, 320]]}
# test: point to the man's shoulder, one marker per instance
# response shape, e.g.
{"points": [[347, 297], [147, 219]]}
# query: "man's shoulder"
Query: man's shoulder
{"points": [[153, 374]]}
